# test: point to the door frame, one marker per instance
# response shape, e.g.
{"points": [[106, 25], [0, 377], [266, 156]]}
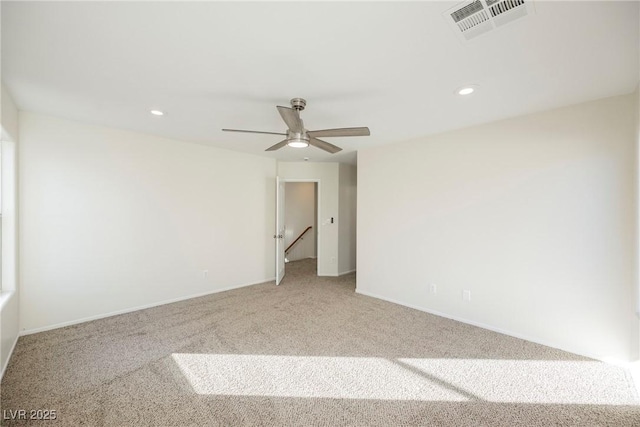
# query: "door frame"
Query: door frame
{"points": [[318, 216], [280, 260]]}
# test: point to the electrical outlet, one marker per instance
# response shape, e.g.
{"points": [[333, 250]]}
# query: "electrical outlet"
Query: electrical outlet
{"points": [[466, 296], [433, 288]]}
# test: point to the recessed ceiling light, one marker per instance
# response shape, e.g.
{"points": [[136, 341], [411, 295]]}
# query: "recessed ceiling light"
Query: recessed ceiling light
{"points": [[466, 90], [157, 113]]}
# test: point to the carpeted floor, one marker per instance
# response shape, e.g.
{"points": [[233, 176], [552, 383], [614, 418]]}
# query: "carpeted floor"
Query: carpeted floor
{"points": [[309, 352]]}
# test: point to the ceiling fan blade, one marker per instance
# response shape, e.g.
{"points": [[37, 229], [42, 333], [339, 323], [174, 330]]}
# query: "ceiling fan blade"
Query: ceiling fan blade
{"points": [[291, 118], [363, 131], [278, 146], [253, 131], [323, 145]]}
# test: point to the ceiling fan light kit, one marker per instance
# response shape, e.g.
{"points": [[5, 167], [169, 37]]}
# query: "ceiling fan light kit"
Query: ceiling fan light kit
{"points": [[298, 143], [299, 137]]}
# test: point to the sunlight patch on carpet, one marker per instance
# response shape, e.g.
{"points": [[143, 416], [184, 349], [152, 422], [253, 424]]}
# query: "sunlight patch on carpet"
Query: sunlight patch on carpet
{"points": [[302, 376], [454, 380], [535, 381]]}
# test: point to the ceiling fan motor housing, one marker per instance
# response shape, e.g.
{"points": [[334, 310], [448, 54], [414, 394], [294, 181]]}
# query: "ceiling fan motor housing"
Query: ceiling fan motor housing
{"points": [[297, 139]]}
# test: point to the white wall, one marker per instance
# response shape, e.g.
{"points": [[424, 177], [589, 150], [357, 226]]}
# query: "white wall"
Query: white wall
{"points": [[636, 353], [113, 220], [299, 213], [347, 223], [534, 215], [327, 174], [9, 298], [636, 349]]}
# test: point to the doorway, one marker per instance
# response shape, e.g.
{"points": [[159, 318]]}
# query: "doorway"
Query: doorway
{"points": [[301, 221], [297, 223]]}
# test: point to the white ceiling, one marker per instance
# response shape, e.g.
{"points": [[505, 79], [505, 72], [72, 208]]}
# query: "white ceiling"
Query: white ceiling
{"points": [[392, 66]]}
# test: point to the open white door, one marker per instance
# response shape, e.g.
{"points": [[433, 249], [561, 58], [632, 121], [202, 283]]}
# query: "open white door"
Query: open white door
{"points": [[279, 236]]}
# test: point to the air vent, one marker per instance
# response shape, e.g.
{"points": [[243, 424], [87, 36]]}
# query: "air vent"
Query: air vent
{"points": [[470, 16], [496, 7], [476, 17]]}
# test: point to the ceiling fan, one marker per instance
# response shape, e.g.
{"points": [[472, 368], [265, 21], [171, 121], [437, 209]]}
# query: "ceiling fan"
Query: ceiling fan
{"points": [[299, 137]]}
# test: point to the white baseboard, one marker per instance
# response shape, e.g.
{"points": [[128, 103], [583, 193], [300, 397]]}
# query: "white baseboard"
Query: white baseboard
{"points": [[132, 309], [6, 362], [299, 259], [490, 328], [344, 273]]}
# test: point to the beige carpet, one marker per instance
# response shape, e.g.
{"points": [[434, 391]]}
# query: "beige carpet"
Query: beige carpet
{"points": [[309, 352]]}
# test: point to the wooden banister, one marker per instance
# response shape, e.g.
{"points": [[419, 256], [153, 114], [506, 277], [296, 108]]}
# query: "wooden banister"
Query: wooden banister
{"points": [[297, 238]]}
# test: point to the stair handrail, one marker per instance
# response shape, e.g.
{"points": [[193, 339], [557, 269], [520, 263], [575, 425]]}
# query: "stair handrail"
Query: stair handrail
{"points": [[297, 238]]}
